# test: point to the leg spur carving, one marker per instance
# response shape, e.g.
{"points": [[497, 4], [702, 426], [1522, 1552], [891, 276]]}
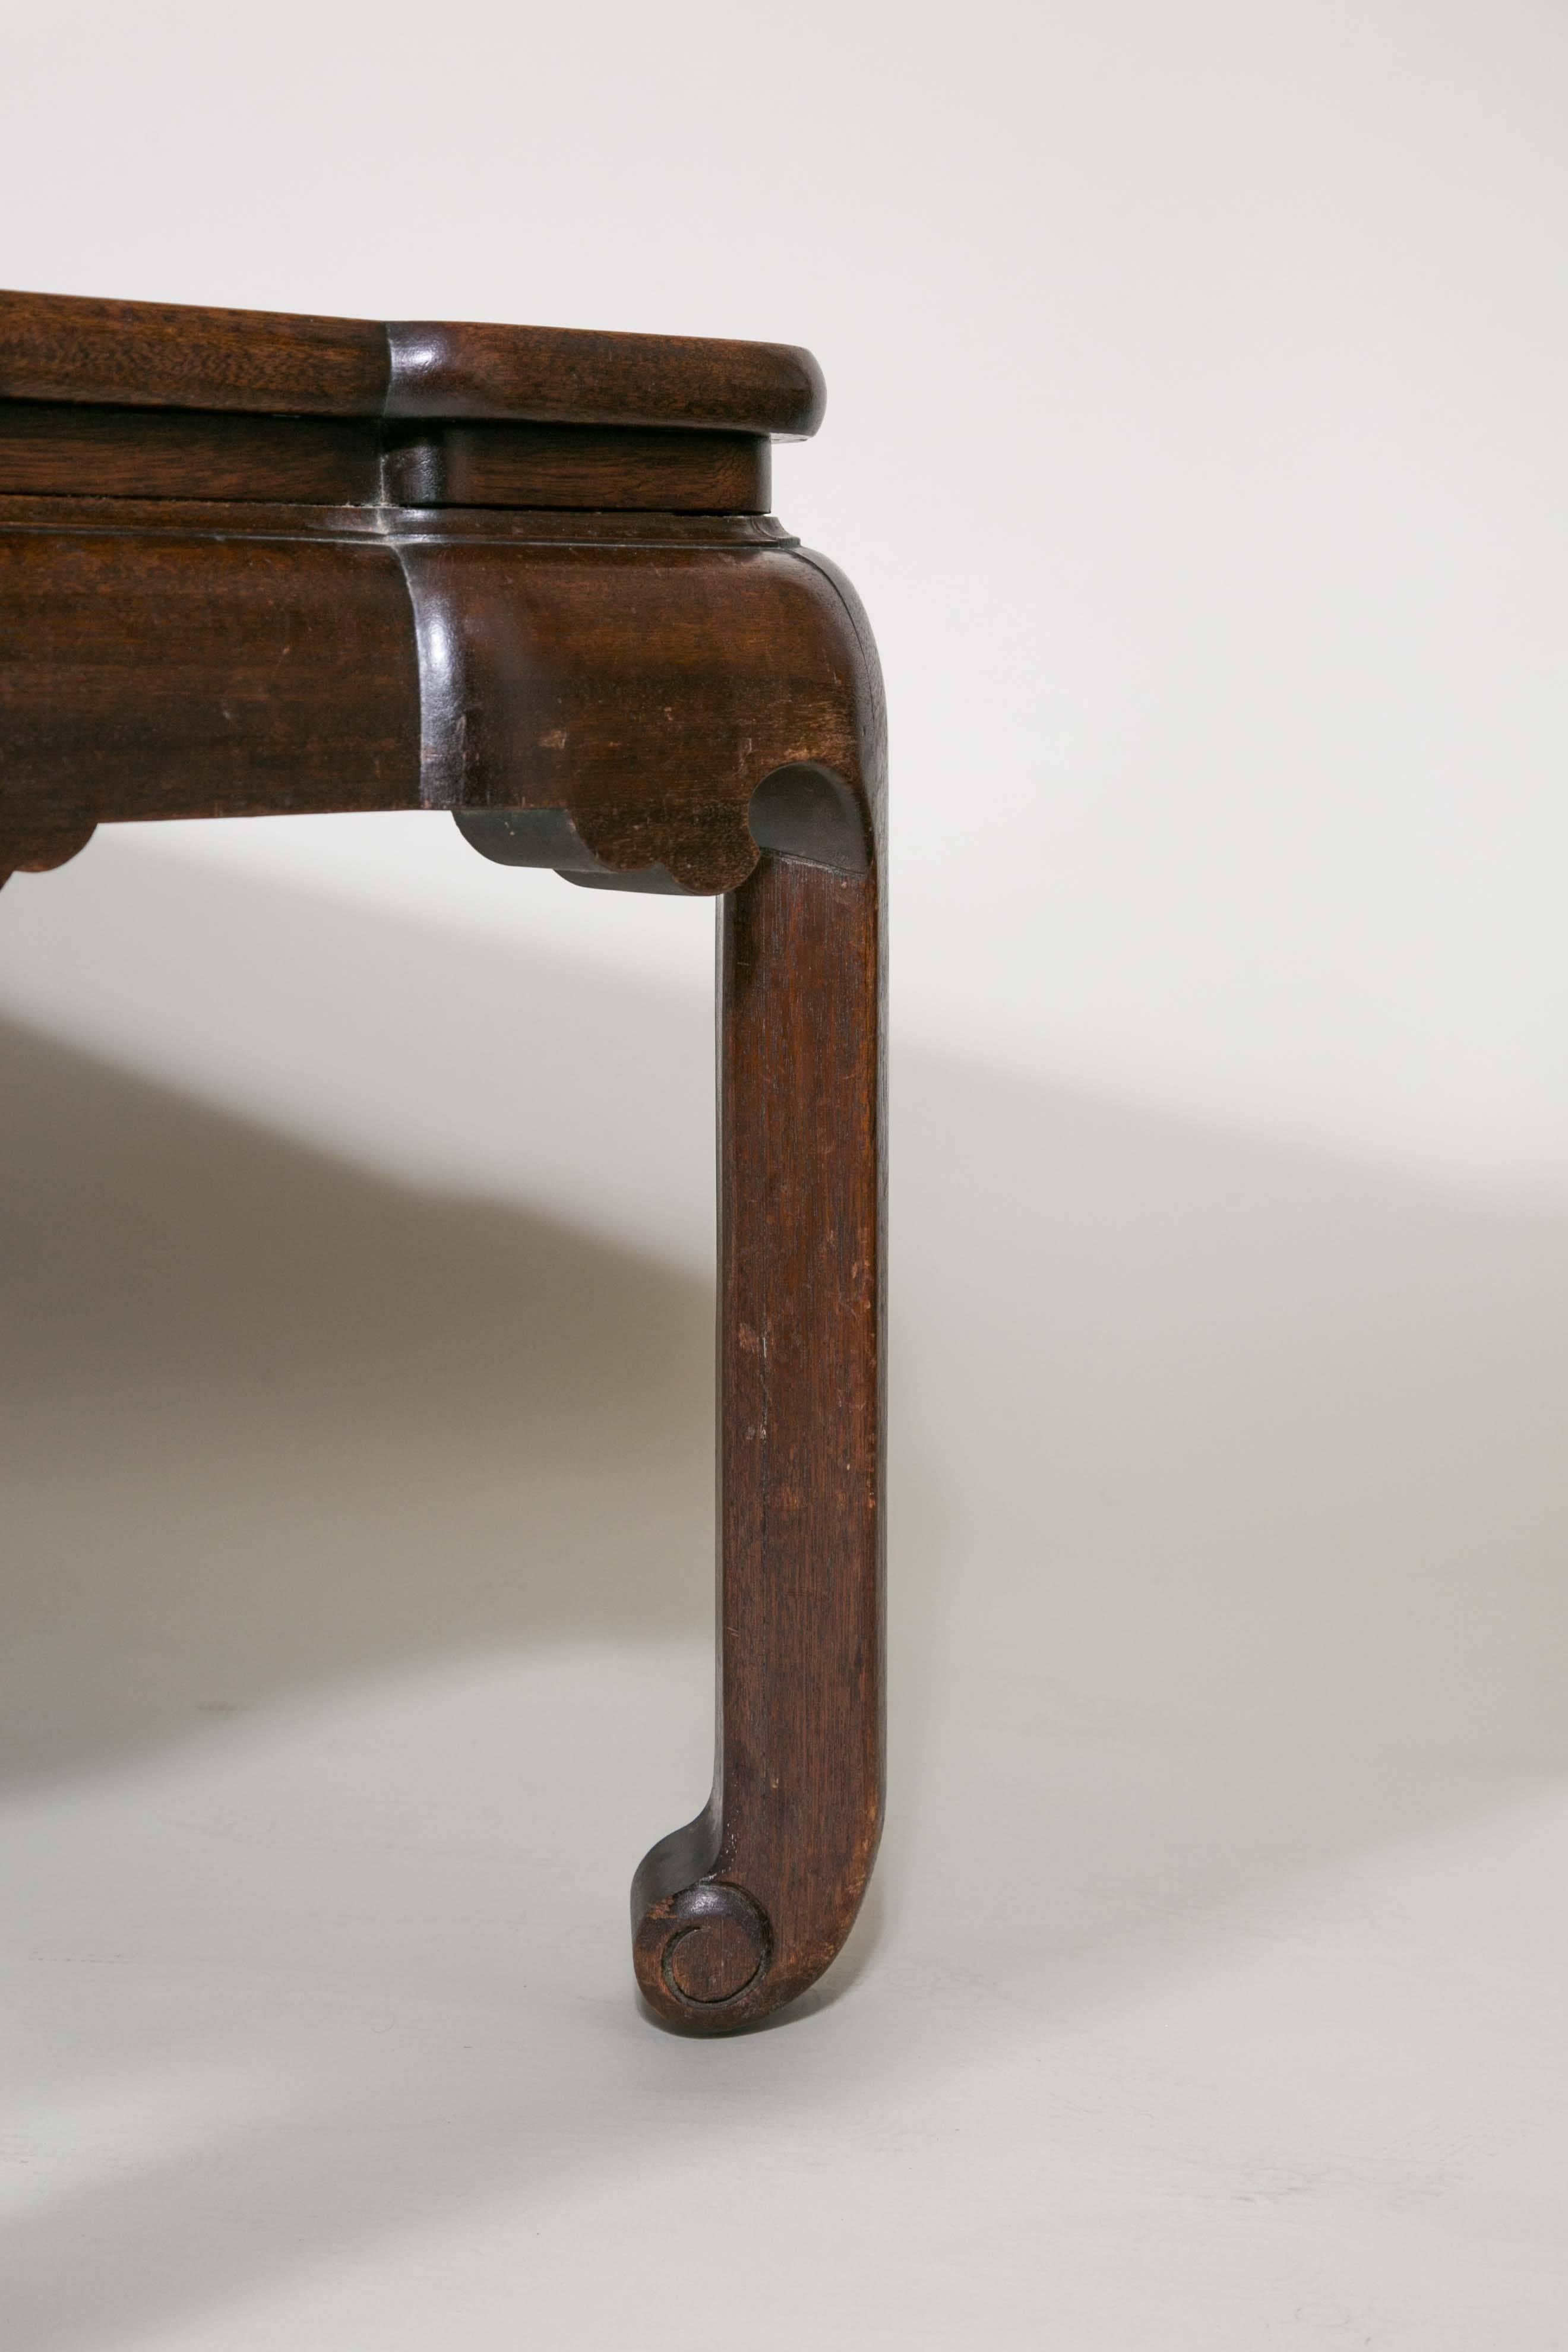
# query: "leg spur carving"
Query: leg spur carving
{"points": [[804, 810], [39, 850]]}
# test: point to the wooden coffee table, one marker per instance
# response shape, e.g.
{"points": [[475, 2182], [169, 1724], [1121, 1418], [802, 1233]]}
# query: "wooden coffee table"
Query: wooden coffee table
{"points": [[255, 565]]}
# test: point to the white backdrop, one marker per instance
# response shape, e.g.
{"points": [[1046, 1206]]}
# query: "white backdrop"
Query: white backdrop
{"points": [[1196, 383], [1196, 439]]}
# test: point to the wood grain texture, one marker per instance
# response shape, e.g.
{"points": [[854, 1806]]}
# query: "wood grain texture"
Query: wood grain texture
{"points": [[569, 375], [642, 674], [659, 700], [186, 675], [649, 692], [70, 348], [215, 666], [589, 468], [743, 1909], [76, 348], [51, 449]]}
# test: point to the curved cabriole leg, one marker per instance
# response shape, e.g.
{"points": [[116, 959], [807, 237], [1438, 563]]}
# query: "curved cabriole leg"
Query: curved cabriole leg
{"points": [[743, 1908]]}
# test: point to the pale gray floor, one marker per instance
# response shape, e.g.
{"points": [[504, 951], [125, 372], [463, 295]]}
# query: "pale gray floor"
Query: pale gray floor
{"points": [[356, 1586]]}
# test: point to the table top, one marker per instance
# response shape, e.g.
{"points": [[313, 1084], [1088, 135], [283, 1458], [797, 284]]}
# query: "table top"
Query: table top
{"points": [[82, 352]]}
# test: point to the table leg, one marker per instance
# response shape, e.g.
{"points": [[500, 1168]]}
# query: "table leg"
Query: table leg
{"points": [[744, 1907]]}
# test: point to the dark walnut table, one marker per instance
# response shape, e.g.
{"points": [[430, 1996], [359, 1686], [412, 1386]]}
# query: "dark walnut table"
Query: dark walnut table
{"points": [[254, 565]]}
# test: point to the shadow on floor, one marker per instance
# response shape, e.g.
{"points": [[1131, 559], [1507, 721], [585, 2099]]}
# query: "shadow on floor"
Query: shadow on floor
{"points": [[1228, 1529], [271, 1422]]}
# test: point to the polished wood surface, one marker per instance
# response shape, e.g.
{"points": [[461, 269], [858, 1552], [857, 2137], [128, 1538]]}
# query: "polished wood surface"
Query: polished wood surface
{"points": [[542, 628], [51, 449], [574, 467], [76, 349], [745, 1907], [210, 666]]}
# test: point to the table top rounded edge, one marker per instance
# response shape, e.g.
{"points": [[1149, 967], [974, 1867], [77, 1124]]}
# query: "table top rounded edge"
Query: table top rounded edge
{"points": [[86, 351]]}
